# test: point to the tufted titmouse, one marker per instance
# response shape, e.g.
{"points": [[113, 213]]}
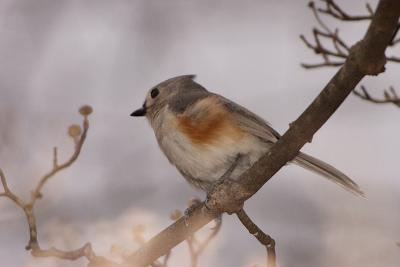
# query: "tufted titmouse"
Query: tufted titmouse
{"points": [[207, 136]]}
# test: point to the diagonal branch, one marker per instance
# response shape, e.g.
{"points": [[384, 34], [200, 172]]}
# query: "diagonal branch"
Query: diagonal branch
{"points": [[366, 58]]}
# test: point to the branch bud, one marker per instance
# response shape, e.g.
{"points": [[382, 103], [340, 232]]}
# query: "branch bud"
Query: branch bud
{"points": [[74, 131], [86, 110]]}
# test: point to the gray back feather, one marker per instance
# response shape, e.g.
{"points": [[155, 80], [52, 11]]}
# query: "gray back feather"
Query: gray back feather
{"points": [[250, 122]]}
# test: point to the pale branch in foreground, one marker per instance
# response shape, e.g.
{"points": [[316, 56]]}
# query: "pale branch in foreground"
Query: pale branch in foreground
{"points": [[196, 247], [366, 57], [138, 232]]}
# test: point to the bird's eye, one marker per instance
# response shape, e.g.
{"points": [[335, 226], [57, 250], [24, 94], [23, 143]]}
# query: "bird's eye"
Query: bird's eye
{"points": [[154, 92]]}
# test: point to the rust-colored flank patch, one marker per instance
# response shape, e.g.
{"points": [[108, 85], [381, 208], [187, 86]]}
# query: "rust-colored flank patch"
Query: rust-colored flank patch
{"points": [[207, 121]]}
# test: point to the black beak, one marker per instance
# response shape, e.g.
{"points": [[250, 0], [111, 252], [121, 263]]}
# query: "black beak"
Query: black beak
{"points": [[139, 112]]}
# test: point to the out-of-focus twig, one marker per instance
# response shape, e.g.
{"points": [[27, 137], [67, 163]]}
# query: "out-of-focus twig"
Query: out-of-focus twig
{"points": [[196, 247], [390, 96], [263, 238], [28, 207], [334, 10], [340, 49]]}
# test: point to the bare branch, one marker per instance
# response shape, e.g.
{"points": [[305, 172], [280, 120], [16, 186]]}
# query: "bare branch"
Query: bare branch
{"points": [[390, 96], [55, 158], [324, 64], [85, 251], [8, 193], [367, 57], [393, 58], [263, 238], [340, 48], [337, 12], [79, 140], [28, 208]]}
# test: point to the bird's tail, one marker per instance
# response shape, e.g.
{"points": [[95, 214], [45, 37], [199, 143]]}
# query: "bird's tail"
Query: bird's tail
{"points": [[328, 172]]}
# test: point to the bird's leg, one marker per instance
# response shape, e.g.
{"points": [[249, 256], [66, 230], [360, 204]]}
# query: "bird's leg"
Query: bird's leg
{"points": [[195, 203], [225, 176], [192, 205], [228, 172]]}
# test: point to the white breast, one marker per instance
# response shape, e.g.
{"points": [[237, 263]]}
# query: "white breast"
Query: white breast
{"points": [[206, 163]]}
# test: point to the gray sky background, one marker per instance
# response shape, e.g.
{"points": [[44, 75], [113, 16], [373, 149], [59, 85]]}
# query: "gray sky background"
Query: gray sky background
{"points": [[59, 55]]}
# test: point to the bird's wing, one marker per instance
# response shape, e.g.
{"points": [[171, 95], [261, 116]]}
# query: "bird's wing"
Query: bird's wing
{"points": [[250, 122]]}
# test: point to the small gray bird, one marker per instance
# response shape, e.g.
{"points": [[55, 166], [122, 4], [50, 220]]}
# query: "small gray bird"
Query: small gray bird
{"points": [[207, 136]]}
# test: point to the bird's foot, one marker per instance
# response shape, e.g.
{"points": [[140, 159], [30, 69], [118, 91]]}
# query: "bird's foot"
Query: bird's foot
{"points": [[193, 204]]}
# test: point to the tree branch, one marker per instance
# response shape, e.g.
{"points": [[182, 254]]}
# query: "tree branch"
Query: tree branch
{"points": [[263, 238], [337, 12], [28, 207], [390, 96], [340, 49], [366, 58]]}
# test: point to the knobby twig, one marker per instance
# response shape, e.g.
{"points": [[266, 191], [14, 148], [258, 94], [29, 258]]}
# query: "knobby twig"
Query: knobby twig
{"points": [[367, 57], [263, 238], [28, 207], [335, 56], [390, 96], [334, 10], [340, 50]]}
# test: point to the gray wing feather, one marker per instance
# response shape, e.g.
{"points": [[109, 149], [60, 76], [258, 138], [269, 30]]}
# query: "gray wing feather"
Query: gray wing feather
{"points": [[255, 125], [250, 122]]}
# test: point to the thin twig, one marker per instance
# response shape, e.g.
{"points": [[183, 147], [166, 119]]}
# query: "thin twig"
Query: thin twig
{"points": [[8, 193], [28, 207], [57, 168], [319, 65], [340, 48], [263, 238], [201, 245], [337, 12], [390, 96], [393, 58]]}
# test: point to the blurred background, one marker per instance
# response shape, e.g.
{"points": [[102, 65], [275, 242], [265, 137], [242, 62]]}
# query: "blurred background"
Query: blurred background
{"points": [[58, 55]]}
